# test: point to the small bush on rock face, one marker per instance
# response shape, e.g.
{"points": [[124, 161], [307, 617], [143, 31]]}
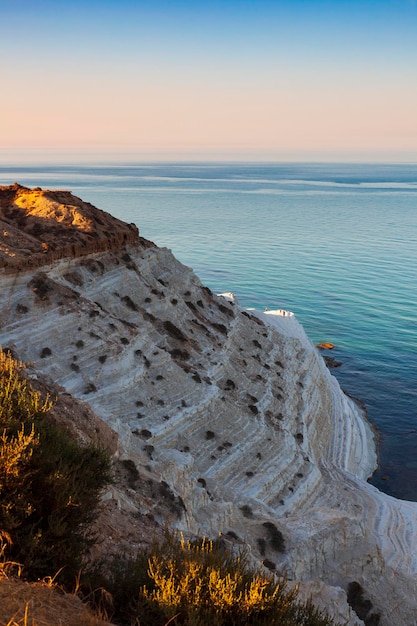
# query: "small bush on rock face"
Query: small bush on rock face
{"points": [[362, 606], [129, 303], [246, 510], [174, 331], [261, 545], [275, 537], [40, 285], [131, 471], [174, 502], [90, 388]]}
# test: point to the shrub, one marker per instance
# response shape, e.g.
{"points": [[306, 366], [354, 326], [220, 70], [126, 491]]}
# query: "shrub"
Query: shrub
{"points": [[200, 583], [246, 510], [174, 331], [40, 285], [129, 303], [49, 485], [362, 606], [226, 310], [90, 388], [261, 545], [275, 537], [175, 503]]}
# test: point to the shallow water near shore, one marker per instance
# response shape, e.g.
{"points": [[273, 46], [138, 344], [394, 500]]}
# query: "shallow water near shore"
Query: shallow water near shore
{"points": [[335, 244]]}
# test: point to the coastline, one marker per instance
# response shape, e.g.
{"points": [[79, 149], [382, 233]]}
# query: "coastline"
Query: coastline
{"points": [[232, 416], [273, 208], [362, 406], [367, 461]]}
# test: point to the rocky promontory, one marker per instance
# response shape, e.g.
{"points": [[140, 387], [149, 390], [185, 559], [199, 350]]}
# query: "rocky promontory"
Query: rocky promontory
{"points": [[219, 419], [38, 227]]}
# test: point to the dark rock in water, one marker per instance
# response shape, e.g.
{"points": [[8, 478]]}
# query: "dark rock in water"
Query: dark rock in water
{"points": [[331, 362]]}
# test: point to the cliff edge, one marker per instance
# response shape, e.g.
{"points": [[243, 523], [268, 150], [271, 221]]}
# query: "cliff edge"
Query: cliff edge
{"points": [[38, 227]]}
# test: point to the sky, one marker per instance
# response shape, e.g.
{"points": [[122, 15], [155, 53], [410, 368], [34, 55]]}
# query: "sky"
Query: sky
{"points": [[223, 80]]}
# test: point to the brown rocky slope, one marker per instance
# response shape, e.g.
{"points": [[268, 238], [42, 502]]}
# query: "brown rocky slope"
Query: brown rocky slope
{"points": [[38, 227]]}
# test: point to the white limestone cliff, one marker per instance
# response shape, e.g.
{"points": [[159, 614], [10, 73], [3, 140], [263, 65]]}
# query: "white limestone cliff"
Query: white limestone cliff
{"points": [[232, 414]]}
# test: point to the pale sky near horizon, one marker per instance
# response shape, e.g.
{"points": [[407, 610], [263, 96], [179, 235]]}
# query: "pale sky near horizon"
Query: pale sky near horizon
{"points": [[242, 79]]}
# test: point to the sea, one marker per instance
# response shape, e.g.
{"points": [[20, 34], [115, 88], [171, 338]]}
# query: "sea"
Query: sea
{"points": [[334, 243]]}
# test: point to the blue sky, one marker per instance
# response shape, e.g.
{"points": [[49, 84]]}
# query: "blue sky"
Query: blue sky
{"points": [[251, 80]]}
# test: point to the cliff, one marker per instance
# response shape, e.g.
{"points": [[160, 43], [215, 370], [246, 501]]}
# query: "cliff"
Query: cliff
{"points": [[219, 419], [38, 227]]}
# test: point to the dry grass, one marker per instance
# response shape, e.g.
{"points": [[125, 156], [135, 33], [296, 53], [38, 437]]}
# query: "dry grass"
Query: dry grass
{"points": [[42, 604], [202, 583]]}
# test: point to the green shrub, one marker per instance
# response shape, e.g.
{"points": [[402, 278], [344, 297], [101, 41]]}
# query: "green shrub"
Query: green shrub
{"points": [[49, 485]]}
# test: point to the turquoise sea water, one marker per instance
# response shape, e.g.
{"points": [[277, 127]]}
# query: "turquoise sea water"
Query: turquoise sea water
{"points": [[336, 244]]}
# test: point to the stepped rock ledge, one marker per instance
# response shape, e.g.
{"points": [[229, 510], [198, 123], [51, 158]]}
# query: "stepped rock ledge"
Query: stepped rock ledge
{"points": [[219, 419]]}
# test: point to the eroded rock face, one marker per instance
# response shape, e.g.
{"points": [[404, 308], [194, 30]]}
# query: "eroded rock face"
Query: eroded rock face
{"points": [[227, 420]]}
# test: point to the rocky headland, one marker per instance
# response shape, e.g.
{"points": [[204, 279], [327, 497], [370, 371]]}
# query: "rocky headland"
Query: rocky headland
{"points": [[218, 419]]}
